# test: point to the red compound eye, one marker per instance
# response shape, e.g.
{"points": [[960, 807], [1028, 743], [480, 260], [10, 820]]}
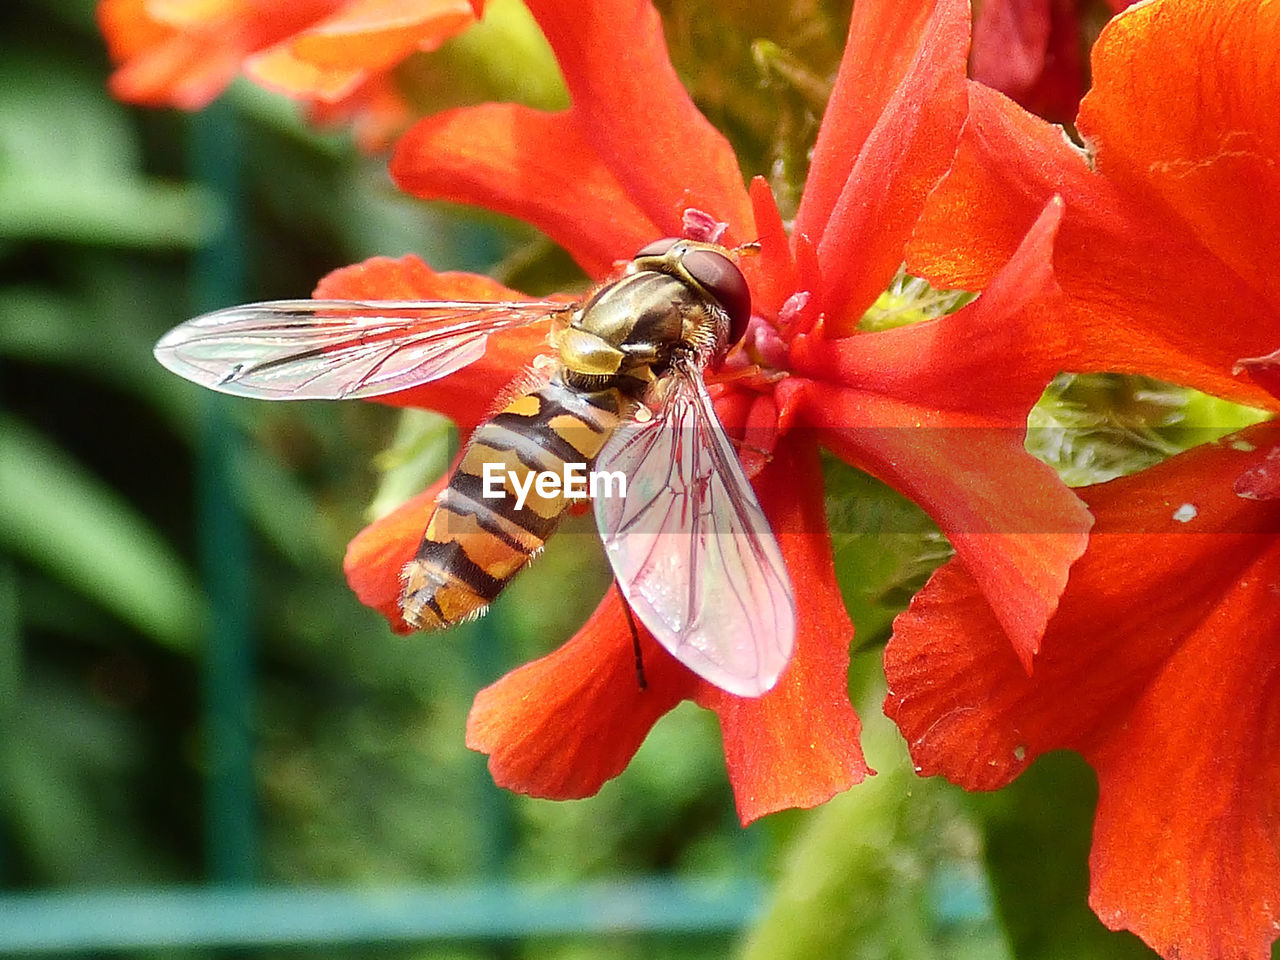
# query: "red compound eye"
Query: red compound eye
{"points": [[657, 248], [718, 275]]}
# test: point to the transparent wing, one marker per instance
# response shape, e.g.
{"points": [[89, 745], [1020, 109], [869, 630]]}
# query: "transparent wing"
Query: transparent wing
{"points": [[337, 349], [691, 548]]}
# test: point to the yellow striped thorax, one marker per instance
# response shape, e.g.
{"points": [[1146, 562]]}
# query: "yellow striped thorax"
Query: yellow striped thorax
{"points": [[629, 328]]}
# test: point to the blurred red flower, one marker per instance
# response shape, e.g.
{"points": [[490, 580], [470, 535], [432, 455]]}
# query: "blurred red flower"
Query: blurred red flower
{"points": [[1036, 51], [937, 409], [1161, 666], [332, 54]]}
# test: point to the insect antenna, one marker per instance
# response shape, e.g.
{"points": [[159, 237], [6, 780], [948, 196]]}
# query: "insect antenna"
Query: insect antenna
{"points": [[635, 637]]}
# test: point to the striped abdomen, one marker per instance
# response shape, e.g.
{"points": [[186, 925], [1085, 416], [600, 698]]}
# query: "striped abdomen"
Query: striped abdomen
{"points": [[474, 544]]}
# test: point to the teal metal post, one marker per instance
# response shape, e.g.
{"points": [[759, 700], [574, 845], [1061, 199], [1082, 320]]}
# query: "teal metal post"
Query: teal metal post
{"points": [[230, 827], [10, 693]]}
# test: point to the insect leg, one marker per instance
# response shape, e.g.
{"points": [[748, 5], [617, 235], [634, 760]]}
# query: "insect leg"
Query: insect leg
{"points": [[635, 637]]}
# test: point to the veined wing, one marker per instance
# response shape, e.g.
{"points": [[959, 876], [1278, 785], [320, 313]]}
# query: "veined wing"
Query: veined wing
{"points": [[691, 548], [338, 349]]}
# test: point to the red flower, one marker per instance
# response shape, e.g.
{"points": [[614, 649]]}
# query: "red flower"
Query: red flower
{"points": [[333, 54], [624, 165], [1161, 668], [1167, 240], [1035, 51], [1161, 665]]}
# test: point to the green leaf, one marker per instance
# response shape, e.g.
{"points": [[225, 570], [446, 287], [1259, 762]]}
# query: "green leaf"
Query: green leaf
{"points": [[65, 520], [889, 869], [1037, 840], [107, 211], [1098, 426], [70, 166], [67, 762], [285, 511], [911, 300], [419, 453], [78, 14], [885, 547]]}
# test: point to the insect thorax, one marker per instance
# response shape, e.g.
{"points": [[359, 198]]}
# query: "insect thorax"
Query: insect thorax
{"points": [[627, 333]]}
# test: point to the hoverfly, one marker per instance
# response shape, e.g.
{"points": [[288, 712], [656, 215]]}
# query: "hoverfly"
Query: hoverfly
{"points": [[690, 547]]}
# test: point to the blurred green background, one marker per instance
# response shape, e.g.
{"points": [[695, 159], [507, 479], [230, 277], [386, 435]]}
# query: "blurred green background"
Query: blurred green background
{"points": [[191, 700]]}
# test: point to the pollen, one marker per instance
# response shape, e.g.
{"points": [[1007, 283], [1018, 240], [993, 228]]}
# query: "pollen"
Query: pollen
{"points": [[1186, 513]]}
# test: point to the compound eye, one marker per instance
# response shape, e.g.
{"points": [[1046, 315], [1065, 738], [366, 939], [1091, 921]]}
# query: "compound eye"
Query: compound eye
{"points": [[718, 275], [658, 248]]}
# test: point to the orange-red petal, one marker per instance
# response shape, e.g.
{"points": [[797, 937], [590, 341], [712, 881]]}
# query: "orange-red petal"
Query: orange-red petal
{"points": [[563, 725], [1012, 522], [797, 746], [529, 164], [129, 29], [328, 60], [938, 410], [192, 13], [158, 65], [990, 360], [1160, 667], [184, 54], [1163, 249], [860, 207], [772, 275], [882, 44], [637, 116], [1182, 114], [376, 34], [280, 68]]}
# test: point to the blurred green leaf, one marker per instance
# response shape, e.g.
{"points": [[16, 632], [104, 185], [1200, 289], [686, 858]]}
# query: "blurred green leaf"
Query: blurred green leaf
{"points": [[1037, 841], [39, 324], [889, 869], [71, 524], [285, 511], [420, 452], [75, 13], [102, 210], [885, 547], [106, 340], [67, 761], [285, 118], [69, 166]]}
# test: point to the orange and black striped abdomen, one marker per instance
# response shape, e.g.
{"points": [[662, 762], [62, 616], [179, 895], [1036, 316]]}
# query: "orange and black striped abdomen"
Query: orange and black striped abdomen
{"points": [[475, 544]]}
